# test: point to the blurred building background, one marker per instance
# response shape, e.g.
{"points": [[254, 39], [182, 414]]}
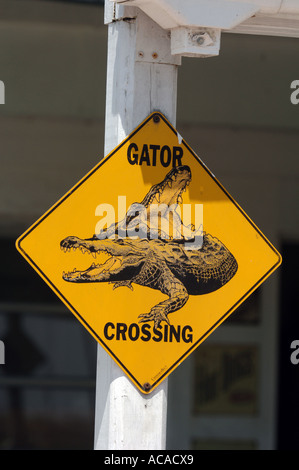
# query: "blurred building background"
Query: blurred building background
{"points": [[239, 389]]}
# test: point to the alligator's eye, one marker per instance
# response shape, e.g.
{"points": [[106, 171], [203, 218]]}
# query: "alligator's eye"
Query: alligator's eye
{"points": [[120, 241]]}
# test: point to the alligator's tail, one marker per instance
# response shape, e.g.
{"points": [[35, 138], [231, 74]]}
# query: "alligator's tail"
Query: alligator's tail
{"points": [[220, 262]]}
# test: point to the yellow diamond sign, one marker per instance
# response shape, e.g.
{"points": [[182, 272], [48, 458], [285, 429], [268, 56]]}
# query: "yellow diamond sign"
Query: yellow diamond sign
{"points": [[150, 252]]}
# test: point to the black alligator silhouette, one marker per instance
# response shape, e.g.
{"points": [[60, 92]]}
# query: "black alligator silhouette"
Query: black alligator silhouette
{"points": [[169, 265]]}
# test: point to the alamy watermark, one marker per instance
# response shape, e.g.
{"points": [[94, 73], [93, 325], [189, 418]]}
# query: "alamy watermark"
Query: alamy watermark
{"points": [[294, 357], [2, 92], [294, 97], [170, 222], [2, 353]]}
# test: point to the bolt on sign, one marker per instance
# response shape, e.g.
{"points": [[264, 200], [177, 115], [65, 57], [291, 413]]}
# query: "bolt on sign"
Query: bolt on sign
{"points": [[150, 252]]}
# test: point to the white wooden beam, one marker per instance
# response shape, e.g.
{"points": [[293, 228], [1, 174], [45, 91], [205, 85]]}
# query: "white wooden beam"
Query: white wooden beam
{"points": [[125, 419], [188, 18], [284, 25], [171, 14], [141, 78], [185, 13]]}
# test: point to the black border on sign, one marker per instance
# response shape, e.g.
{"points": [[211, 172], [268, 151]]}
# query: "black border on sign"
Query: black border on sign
{"points": [[70, 306]]}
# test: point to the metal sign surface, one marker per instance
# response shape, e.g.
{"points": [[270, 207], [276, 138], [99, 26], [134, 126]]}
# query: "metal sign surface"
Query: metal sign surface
{"points": [[150, 252]]}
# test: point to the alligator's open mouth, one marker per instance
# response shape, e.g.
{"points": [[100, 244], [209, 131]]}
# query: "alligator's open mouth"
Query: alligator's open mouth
{"points": [[96, 271], [113, 254], [170, 190]]}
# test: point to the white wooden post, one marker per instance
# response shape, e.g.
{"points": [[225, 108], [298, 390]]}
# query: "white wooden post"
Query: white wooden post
{"points": [[141, 78]]}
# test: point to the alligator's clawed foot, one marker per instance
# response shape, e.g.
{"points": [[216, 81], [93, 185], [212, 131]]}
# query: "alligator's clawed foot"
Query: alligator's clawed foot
{"points": [[122, 284], [157, 315]]}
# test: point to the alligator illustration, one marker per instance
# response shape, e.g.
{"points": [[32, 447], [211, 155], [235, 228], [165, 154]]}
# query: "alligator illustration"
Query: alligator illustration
{"points": [[151, 217], [157, 263]]}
